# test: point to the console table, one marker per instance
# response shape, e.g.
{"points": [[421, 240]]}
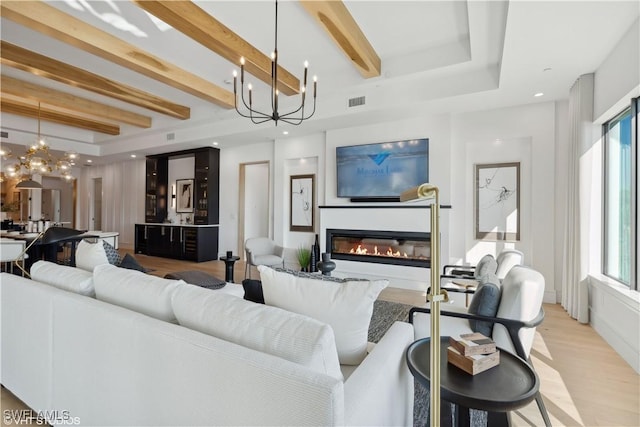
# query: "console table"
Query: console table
{"points": [[506, 387]]}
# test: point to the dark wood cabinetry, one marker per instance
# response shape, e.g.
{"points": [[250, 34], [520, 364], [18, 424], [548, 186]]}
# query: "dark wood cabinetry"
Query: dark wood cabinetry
{"points": [[206, 181], [155, 203], [180, 242], [206, 176]]}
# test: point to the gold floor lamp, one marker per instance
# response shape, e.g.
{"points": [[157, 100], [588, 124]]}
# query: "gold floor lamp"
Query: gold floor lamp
{"points": [[430, 191]]}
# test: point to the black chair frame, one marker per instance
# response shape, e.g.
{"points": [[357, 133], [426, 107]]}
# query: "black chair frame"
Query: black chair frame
{"points": [[513, 327], [458, 272]]}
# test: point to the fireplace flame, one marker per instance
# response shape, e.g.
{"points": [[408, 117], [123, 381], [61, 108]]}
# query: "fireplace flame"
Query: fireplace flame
{"points": [[359, 250]]}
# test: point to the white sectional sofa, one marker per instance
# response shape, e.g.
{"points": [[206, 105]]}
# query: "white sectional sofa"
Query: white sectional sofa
{"points": [[126, 358]]}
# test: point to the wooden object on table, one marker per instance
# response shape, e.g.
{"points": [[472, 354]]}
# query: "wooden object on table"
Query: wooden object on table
{"points": [[472, 344], [473, 364]]}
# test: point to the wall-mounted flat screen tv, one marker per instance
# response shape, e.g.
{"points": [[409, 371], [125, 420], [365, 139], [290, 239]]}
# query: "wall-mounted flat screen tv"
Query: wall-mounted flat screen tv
{"points": [[381, 170]]}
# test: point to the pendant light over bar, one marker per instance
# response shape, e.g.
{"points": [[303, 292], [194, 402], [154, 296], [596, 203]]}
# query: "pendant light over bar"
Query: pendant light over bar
{"points": [[294, 117]]}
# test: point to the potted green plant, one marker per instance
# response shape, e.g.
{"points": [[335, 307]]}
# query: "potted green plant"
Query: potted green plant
{"points": [[304, 258]]}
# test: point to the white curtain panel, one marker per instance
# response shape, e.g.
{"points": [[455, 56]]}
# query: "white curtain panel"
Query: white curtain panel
{"points": [[575, 297]]}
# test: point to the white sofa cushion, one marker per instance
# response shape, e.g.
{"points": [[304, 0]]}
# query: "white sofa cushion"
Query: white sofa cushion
{"points": [[347, 307], [136, 291], [299, 339], [89, 255], [63, 277]]}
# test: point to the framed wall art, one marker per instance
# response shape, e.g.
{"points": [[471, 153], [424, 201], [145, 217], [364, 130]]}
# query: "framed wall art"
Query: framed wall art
{"points": [[184, 195], [497, 201], [301, 205]]}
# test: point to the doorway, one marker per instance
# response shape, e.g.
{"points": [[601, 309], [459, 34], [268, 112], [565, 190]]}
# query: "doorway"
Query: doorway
{"points": [[253, 212]]}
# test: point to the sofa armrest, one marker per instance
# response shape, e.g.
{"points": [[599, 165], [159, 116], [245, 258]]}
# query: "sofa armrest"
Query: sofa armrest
{"points": [[380, 391]]}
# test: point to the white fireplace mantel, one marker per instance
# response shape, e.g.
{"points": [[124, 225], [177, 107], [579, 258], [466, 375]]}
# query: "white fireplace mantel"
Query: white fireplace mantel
{"points": [[411, 218]]}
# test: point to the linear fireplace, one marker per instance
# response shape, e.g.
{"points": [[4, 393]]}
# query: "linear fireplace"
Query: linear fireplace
{"points": [[383, 247]]}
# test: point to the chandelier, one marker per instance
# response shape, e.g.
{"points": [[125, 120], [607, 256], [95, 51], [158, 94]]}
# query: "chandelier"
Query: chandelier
{"points": [[294, 117], [38, 160]]}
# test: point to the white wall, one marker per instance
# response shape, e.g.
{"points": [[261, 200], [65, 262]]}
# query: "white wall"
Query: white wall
{"points": [[525, 134], [435, 127], [296, 156], [618, 76]]}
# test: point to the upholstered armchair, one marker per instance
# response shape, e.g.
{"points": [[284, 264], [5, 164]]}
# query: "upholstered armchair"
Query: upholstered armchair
{"points": [[508, 312], [464, 279], [262, 251], [500, 266]]}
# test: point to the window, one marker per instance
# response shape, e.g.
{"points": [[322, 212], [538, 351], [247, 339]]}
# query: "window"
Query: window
{"points": [[620, 205]]}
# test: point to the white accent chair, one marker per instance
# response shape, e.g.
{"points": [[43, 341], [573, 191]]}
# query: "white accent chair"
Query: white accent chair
{"points": [[519, 312], [506, 260], [13, 251], [464, 279], [262, 251]]}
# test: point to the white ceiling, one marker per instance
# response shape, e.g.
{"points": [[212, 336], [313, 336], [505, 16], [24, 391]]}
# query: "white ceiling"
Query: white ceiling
{"points": [[437, 56]]}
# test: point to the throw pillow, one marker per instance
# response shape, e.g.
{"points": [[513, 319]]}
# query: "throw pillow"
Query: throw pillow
{"points": [[253, 290], [316, 276], [486, 265], [112, 253], [347, 307], [131, 263], [290, 336], [136, 291], [485, 302], [196, 277], [89, 255], [63, 277]]}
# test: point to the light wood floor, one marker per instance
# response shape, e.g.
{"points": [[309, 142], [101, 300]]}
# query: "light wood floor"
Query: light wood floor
{"points": [[584, 381]]}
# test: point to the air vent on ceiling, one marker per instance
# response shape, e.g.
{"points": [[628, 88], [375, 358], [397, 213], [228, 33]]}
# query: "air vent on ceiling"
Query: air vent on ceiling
{"points": [[354, 102], [171, 136], [4, 134]]}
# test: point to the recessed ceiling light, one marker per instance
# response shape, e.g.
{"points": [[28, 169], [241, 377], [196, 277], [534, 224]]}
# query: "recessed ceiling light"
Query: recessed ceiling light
{"points": [[133, 156], [286, 132], [89, 161], [538, 95], [215, 143]]}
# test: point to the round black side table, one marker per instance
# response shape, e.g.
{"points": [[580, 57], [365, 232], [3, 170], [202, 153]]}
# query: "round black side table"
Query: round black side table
{"points": [[228, 267], [506, 387]]}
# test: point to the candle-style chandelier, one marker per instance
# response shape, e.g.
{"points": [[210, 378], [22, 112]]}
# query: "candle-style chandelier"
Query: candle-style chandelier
{"points": [[38, 160], [294, 117]]}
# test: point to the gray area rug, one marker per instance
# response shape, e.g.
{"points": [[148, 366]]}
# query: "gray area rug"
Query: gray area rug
{"points": [[384, 314]]}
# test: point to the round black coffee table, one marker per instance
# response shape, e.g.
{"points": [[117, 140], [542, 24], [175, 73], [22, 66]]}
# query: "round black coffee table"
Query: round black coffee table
{"points": [[506, 387], [228, 264]]}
